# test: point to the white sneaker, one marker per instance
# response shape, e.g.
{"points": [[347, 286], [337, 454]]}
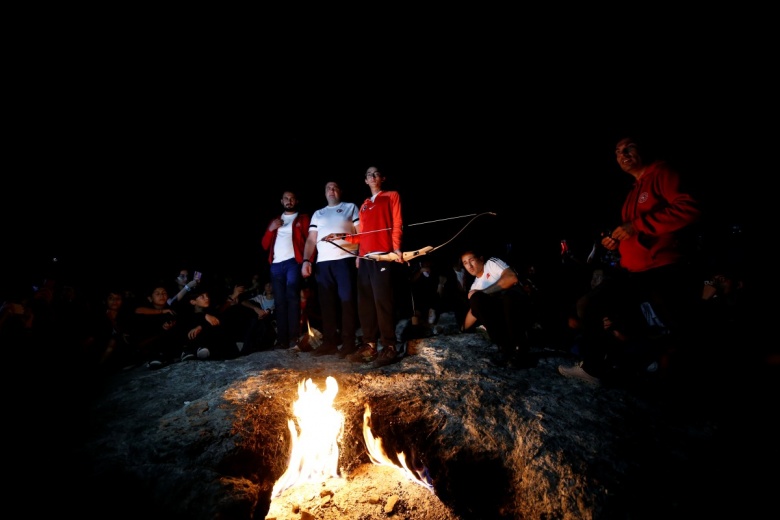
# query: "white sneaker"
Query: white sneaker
{"points": [[431, 316], [576, 372], [203, 353]]}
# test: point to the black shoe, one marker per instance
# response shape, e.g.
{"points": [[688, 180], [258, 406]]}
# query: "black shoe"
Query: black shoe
{"points": [[346, 350], [325, 349]]}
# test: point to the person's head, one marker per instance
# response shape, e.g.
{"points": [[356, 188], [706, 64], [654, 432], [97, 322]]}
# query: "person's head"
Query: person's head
{"points": [[374, 178], [473, 262], [183, 278], [289, 201], [333, 193], [114, 300], [633, 154], [269, 288], [199, 299], [596, 278], [158, 296]]}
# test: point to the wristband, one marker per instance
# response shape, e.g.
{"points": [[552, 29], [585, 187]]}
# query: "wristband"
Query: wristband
{"points": [[188, 288], [305, 261]]}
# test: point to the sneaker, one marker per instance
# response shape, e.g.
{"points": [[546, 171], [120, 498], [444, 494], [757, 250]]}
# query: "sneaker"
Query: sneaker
{"points": [[203, 353], [186, 356], [387, 356], [365, 354], [431, 316], [577, 372], [325, 349], [345, 351], [155, 364]]}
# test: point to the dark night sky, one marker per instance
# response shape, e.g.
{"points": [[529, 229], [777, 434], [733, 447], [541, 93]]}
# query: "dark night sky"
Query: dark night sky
{"points": [[120, 186]]}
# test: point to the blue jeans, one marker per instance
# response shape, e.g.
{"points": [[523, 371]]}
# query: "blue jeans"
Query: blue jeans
{"points": [[286, 281]]}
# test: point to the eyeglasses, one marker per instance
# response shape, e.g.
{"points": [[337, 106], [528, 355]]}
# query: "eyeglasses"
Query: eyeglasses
{"points": [[374, 175]]}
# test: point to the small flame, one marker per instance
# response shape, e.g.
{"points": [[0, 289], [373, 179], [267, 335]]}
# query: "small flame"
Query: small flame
{"points": [[377, 454], [315, 451]]}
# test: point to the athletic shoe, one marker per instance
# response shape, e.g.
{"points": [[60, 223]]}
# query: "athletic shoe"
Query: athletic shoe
{"points": [[577, 372], [325, 350], [203, 353], [186, 356], [345, 351], [365, 354], [155, 364], [431, 316]]}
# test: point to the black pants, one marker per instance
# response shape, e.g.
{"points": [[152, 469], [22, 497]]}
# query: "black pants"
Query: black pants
{"points": [[507, 316]]}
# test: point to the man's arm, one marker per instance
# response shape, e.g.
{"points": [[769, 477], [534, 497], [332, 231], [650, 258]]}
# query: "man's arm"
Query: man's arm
{"points": [[308, 250], [507, 279]]}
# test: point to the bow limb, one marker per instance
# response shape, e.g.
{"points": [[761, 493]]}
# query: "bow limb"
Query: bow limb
{"points": [[461, 230]]}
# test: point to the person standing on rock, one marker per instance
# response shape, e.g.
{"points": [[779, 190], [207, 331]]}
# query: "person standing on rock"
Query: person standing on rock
{"points": [[284, 239], [657, 272], [380, 232], [336, 274]]}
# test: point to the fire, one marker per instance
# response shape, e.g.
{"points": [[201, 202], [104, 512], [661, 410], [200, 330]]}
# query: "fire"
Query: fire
{"points": [[377, 454], [315, 451]]}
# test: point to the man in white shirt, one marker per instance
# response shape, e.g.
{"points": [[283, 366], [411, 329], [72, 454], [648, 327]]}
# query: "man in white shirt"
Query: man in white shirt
{"points": [[497, 300], [335, 272]]}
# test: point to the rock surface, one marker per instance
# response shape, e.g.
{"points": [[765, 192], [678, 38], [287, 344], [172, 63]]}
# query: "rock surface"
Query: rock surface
{"points": [[208, 440]]}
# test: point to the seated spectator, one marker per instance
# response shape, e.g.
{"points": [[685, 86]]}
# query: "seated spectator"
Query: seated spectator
{"points": [[183, 286], [153, 329], [261, 331], [107, 346], [498, 301], [206, 337]]}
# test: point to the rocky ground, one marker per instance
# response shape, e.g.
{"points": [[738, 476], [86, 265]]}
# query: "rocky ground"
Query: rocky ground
{"points": [[208, 440]]}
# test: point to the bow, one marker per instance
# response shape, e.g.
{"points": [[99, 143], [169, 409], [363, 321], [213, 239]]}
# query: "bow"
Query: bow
{"points": [[409, 255]]}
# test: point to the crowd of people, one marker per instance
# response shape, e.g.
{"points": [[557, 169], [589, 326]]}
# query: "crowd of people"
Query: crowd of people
{"points": [[639, 301]]}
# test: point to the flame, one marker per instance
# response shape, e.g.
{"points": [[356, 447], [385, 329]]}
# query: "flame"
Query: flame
{"points": [[377, 454], [315, 451]]}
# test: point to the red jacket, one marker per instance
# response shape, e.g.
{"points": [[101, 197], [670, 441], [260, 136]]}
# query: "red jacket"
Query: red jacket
{"points": [[381, 224], [300, 232], [657, 209]]}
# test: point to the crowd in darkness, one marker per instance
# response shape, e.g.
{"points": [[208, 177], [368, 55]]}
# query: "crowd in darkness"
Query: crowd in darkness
{"points": [[60, 280]]}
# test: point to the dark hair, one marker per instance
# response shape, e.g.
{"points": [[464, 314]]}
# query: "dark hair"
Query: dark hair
{"points": [[647, 148]]}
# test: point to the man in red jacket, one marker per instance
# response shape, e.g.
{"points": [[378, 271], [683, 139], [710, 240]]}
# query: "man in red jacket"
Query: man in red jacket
{"points": [[660, 281], [284, 239]]}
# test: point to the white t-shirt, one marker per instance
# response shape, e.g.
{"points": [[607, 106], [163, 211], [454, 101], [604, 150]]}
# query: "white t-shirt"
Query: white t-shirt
{"points": [[265, 302], [342, 218], [490, 274], [283, 247]]}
